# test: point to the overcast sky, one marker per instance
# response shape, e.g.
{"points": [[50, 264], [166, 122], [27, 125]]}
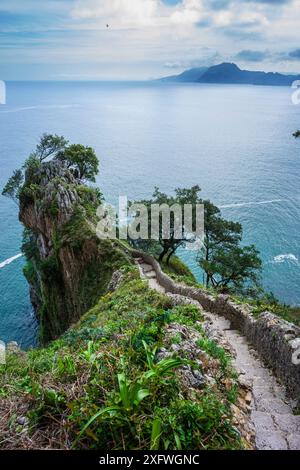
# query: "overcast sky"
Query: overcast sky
{"points": [[69, 39]]}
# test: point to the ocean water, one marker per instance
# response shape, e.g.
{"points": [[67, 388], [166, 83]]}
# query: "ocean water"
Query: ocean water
{"points": [[234, 141]]}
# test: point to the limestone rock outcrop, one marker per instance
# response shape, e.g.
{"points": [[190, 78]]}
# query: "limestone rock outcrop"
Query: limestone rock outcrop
{"points": [[68, 267]]}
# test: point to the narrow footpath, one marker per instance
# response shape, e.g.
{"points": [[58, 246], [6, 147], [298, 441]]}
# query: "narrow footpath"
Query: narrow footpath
{"points": [[276, 427]]}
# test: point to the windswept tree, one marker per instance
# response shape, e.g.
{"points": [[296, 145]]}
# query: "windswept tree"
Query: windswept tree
{"points": [[227, 265], [13, 186], [233, 268], [81, 160], [169, 214], [218, 232], [49, 146]]}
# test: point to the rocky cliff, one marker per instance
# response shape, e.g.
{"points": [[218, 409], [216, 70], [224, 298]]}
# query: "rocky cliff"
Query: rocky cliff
{"points": [[68, 267]]}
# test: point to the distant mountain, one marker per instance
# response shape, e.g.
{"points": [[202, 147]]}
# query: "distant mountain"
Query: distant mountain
{"points": [[192, 75], [228, 73]]}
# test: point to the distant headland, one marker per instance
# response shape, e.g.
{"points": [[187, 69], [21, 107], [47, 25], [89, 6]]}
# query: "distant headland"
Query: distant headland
{"points": [[229, 73]]}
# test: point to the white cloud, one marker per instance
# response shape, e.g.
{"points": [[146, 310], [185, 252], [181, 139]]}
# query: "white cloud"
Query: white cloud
{"points": [[118, 12], [147, 35], [190, 12], [141, 13], [241, 14]]}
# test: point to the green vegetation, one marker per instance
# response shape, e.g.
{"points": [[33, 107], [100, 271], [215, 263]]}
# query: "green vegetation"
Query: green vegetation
{"points": [[103, 386], [178, 271], [262, 302], [166, 246], [49, 146], [13, 186], [228, 266], [117, 379], [81, 161], [68, 267], [270, 304]]}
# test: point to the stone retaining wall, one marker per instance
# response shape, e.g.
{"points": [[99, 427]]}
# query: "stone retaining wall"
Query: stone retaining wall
{"points": [[277, 341]]}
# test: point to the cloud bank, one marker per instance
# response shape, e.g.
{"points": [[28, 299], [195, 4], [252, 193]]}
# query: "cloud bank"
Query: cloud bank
{"points": [[141, 38]]}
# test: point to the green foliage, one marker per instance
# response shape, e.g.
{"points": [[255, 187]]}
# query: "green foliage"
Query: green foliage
{"points": [[50, 269], [75, 336], [227, 265], [49, 146], [30, 273], [30, 192], [31, 165], [47, 174], [82, 161], [76, 230], [215, 351], [24, 184], [52, 399], [66, 366], [232, 393], [104, 380], [265, 304], [101, 384], [169, 243], [13, 186], [186, 423], [155, 434], [91, 198], [90, 354], [127, 400], [125, 403], [29, 245], [178, 270], [186, 315], [230, 267], [161, 368]]}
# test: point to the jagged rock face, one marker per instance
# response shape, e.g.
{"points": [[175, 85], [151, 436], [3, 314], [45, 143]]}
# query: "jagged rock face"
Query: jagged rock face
{"points": [[35, 213], [68, 266]]}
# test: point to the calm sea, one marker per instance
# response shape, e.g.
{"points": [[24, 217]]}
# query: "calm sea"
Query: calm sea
{"points": [[234, 141]]}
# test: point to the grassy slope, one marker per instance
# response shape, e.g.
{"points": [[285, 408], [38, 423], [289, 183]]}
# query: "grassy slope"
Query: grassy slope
{"points": [[58, 389]]}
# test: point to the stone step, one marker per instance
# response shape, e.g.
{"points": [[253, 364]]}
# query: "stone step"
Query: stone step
{"points": [[288, 423], [146, 267], [153, 284], [271, 440], [276, 426], [293, 441], [150, 275], [272, 406]]}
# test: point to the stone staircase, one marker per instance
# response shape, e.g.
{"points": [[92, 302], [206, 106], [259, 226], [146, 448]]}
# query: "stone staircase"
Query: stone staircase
{"points": [[276, 427]]}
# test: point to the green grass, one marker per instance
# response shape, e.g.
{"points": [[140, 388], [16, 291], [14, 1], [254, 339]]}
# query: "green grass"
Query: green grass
{"points": [[269, 304], [178, 271], [100, 385], [291, 314]]}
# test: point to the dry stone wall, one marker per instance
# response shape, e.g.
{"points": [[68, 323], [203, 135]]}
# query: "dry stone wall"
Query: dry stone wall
{"points": [[277, 341]]}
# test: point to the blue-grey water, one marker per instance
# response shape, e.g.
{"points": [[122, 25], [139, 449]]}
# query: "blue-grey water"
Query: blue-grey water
{"points": [[234, 141]]}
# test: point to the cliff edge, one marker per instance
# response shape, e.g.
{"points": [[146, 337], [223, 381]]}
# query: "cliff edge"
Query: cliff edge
{"points": [[68, 268]]}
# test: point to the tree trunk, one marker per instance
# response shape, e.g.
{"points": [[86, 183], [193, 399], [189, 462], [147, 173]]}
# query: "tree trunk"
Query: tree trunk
{"points": [[207, 259], [161, 256], [169, 256]]}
